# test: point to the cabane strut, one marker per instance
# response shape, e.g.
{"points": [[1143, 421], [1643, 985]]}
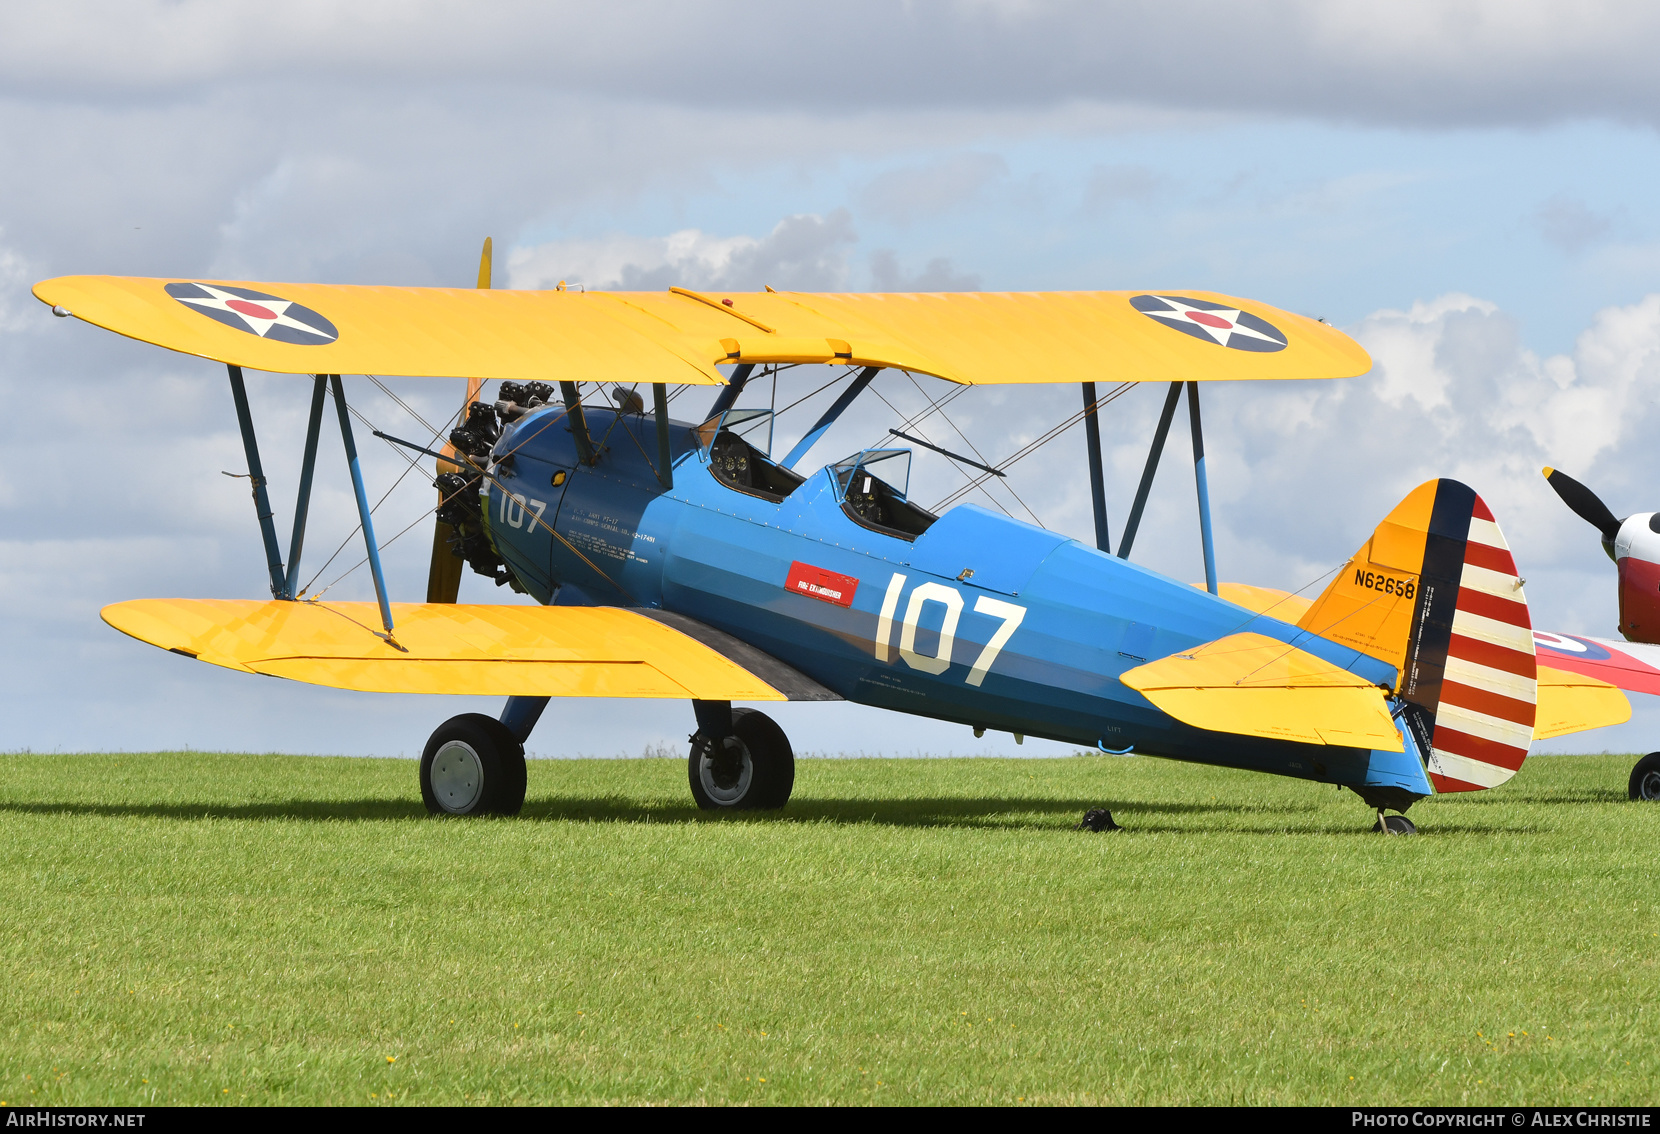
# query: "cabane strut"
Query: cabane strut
{"points": [[1206, 538]]}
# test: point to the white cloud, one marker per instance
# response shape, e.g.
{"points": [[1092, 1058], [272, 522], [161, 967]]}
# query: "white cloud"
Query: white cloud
{"points": [[1403, 346], [1454, 392], [910, 193], [806, 253], [939, 274], [604, 262], [16, 304], [1415, 62]]}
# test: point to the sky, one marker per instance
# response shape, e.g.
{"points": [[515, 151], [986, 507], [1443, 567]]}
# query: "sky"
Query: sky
{"points": [[1465, 187]]}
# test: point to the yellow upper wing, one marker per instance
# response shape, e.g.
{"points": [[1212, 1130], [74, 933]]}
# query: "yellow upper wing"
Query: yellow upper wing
{"points": [[530, 651], [681, 336]]}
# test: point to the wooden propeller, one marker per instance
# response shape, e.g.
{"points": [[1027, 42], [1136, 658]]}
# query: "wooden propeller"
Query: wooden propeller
{"points": [[444, 574]]}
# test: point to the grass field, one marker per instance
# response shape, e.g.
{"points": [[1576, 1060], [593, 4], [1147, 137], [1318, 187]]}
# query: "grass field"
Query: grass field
{"points": [[266, 929]]}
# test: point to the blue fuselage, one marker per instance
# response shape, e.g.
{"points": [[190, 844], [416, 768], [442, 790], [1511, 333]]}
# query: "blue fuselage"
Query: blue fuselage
{"points": [[980, 619]]}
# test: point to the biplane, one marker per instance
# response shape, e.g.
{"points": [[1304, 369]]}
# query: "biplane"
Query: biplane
{"points": [[1632, 664], [682, 558]]}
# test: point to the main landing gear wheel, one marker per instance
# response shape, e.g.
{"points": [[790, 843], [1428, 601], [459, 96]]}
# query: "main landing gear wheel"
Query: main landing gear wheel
{"points": [[473, 766], [1395, 825], [751, 770], [1645, 777]]}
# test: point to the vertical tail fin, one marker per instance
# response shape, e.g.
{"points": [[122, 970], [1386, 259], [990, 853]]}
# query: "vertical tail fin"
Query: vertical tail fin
{"points": [[1435, 593]]}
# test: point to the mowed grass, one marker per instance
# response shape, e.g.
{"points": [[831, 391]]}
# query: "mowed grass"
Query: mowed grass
{"points": [[191, 928]]}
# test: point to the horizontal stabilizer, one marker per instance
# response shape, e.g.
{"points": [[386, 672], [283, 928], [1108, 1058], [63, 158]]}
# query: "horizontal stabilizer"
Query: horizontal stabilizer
{"points": [[521, 651], [1271, 601], [1573, 702], [1253, 685]]}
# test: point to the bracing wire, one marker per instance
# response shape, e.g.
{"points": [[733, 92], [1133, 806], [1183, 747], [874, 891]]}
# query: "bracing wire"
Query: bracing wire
{"points": [[939, 408], [1292, 646], [412, 465], [357, 529], [1002, 482], [922, 415], [847, 373], [388, 543], [996, 503], [1034, 446], [933, 406]]}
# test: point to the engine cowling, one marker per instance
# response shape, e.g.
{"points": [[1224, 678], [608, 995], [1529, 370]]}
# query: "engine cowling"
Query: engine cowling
{"points": [[1637, 555]]}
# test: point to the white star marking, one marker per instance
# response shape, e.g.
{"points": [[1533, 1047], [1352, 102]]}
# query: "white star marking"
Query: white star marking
{"points": [[1181, 317], [222, 300]]}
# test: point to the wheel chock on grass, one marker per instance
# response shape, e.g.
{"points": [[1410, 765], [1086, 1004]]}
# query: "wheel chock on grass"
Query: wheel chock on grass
{"points": [[1097, 819]]}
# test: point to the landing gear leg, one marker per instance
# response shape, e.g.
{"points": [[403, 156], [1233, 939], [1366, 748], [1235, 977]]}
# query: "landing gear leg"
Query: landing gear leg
{"points": [[740, 759], [1378, 797], [1394, 824], [521, 714]]}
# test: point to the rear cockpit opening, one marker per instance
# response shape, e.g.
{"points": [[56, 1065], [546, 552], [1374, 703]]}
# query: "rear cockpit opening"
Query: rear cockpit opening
{"points": [[873, 484]]}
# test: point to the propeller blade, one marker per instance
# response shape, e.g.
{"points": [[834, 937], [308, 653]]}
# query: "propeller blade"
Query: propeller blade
{"points": [[444, 572], [1584, 503], [475, 386]]}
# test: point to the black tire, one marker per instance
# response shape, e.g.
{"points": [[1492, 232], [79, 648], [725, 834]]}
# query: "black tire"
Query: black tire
{"points": [[478, 766], [1398, 825], [756, 771], [1645, 778]]}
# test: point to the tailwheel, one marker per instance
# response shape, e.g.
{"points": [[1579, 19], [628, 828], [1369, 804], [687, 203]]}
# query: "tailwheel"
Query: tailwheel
{"points": [[1645, 777], [753, 769], [472, 765], [1394, 824]]}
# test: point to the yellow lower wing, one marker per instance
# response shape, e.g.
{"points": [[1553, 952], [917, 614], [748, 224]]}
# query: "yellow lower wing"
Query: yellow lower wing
{"points": [[1572, 702], [527, 651], [1252, 685]]}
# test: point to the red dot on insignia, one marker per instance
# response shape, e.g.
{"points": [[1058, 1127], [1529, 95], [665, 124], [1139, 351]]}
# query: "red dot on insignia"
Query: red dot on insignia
{"points": [[255, 311], [1209, 320]]}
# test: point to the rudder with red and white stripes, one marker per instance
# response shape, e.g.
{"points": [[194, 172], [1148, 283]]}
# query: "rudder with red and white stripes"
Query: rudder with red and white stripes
{"points": [[1435, 593], [1483, 718]]}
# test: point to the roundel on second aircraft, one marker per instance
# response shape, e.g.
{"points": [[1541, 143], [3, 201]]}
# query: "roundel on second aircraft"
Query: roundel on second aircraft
{"points": [[268, 316], [1213, 322], [1565, 644]]}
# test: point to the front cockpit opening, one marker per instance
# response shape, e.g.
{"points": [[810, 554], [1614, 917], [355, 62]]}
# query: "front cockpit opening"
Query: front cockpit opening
{"points": [[728, 440], [873, 485]]}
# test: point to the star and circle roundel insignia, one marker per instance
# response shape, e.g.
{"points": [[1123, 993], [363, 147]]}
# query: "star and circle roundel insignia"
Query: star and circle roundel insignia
{"points": [[1213, 322], [268, 316]]}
